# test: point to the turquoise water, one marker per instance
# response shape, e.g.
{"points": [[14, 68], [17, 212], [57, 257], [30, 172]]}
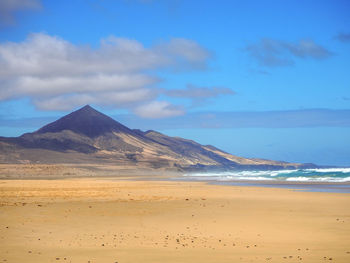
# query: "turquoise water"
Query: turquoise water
{"points": [[324, 175], [331, 180]]}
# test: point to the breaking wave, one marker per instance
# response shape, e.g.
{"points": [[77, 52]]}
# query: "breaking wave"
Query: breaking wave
{"points": [[302, 175]]}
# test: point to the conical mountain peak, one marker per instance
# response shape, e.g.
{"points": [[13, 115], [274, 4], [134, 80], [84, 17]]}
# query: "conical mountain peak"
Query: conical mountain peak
{"points": [[87, 108], [86, 121]]}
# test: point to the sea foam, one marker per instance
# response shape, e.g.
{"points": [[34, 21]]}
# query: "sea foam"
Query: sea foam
{"points": [[301, 175]]}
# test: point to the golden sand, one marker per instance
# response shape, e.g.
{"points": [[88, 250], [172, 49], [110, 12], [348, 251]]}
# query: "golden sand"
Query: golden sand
{"points": [[114, 220]]}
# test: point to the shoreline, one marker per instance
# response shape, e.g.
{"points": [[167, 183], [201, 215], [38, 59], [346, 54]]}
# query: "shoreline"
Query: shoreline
{"points": [[332, 187], [113, 172], [326, 187]]}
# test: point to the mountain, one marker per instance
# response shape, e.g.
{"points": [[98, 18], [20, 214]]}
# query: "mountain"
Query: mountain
{"points": [[86, 121], [89, 136]]}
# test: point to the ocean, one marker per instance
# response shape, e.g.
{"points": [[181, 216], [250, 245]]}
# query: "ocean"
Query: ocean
{"points": [[336, 180], [328, 175]]}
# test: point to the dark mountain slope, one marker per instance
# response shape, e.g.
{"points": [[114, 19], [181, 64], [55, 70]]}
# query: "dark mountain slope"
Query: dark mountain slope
{"points": [[86, 121]]}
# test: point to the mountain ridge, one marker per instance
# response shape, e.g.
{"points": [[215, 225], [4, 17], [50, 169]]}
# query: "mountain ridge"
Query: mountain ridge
{"points": [[89, 136]]}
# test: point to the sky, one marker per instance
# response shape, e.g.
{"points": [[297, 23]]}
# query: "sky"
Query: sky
{"points": [[267, 79]]}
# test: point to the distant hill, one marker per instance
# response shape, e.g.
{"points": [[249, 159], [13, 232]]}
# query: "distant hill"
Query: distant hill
{"points": [[89, 136]]}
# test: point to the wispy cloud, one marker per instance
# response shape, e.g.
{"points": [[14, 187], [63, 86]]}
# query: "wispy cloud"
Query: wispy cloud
{"points": [[198, 94], [343, 37], [275, 53], [58, 75], [8, 9], [158, 109]]}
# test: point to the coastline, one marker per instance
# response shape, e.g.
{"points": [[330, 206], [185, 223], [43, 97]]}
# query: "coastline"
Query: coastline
{"points": [[340, 188], [326, 187], [323, 187], [113, 172]]}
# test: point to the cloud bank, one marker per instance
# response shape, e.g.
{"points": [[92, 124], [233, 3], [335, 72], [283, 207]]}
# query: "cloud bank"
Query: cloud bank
{"points": [[58, 75], [275, 53], [308, 118]]}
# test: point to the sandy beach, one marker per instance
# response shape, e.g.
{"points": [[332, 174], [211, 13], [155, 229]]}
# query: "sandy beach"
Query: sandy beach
{"points": [[116, 220]]}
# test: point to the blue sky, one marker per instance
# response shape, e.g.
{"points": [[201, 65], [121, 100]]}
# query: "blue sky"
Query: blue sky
{"points": [[267, 79]]}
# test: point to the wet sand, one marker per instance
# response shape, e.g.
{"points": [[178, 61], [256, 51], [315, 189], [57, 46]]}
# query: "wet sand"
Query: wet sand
{"points": [[116, 220]]}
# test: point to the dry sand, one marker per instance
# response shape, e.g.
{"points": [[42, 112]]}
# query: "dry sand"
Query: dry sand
{"points": [[114, 220]]}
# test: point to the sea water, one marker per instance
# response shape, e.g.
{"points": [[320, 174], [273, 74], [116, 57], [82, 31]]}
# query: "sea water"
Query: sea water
{"points": [[336, 180], [330, 175]]}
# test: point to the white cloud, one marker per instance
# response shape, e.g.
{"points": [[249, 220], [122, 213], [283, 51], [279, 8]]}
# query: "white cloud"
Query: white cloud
{"points": [[58, 75], [8, 8], [158, 109], [44, 55]]}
